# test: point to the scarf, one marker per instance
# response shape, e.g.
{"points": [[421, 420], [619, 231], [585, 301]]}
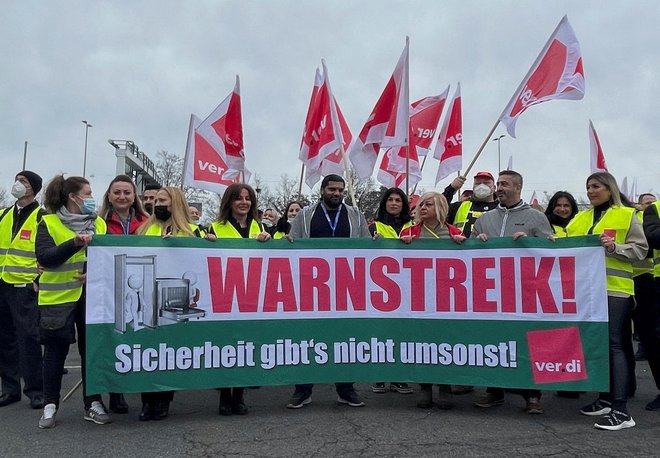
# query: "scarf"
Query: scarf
{"points": [[77, 222]]}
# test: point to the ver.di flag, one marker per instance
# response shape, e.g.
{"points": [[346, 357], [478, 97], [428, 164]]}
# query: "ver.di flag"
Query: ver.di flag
{"points": [[556, 74], [203, 167], [424, 117], [223, 131], [449, 147], [387, 125], [597, 157]]}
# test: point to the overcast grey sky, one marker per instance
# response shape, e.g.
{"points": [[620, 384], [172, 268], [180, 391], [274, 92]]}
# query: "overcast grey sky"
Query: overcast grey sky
{"points": [[137, 69]]}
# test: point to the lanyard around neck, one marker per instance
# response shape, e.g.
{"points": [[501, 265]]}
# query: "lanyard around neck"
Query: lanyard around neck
{"points": [[333, 226], [430, 231]]}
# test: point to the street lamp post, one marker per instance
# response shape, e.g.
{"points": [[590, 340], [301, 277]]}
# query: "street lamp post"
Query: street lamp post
{"points": [[499, 162], [87, 126]]}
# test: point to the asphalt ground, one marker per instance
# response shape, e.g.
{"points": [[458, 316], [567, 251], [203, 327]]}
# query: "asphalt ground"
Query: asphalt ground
{"points": [[389, 426]]}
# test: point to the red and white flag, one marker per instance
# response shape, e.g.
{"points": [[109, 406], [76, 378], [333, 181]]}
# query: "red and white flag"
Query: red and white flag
{"points": [[534, 200], [556, 74], [325, 133], [597, 157], [449, 148], [424, 117], [223, 130], [387, 125], [203, 167]]}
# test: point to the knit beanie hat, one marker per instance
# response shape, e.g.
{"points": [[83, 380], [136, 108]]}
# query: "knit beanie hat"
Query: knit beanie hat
{"points": [[34, 180]]}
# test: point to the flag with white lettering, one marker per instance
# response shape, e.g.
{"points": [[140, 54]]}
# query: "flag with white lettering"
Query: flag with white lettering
{"points": [[597, 157], [223, 131], [556, 74], [203, 167], [387, 125], [449, 147]]}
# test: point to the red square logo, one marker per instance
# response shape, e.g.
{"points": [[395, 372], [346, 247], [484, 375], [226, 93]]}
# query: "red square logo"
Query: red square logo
{"points": [[26, 234], [556, 355]]}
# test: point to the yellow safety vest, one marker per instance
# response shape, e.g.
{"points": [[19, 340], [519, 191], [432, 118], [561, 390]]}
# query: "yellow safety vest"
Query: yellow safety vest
{"points": [[559, 231], [18, 262], [58, 285], [226, 230], [278, 235], [619, 273], [388, 231], [156, 229], [656, 253], [463, 214]]}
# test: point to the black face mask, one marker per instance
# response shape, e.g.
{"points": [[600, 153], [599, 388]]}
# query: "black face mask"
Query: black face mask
{"points": [[162, 213], [149, 208]]}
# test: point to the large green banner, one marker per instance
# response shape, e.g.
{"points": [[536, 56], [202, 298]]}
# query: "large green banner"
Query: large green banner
{"points": [[188, 313]]}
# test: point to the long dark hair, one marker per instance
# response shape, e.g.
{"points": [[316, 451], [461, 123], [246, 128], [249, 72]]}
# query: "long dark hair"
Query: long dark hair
{"points": [[553, 203], [231, 194], [283, 224], [58, 190], [106, 206], [381, 214]]}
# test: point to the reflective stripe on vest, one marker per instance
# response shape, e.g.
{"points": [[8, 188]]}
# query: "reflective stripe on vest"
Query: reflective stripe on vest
{"points": [[58, 285], [17, 258], [388, 231], [227, 231], [619, 273]]}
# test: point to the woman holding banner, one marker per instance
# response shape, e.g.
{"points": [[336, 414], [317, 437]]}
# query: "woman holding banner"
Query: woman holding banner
{"points": [[62, 239], [622, 236], [431, 223], [169, 219], [392, 216], [238, 218]]}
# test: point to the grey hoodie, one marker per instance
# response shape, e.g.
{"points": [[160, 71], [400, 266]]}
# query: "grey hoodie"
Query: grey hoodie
{"points": [[504, 222], [301, 224]]}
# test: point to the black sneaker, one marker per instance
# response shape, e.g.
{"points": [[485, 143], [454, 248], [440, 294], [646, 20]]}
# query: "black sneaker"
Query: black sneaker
{"points": [[655, 404], [615, 420], [299, 399], [351, 398], [597, 408], [402, 388], [378, 388]]}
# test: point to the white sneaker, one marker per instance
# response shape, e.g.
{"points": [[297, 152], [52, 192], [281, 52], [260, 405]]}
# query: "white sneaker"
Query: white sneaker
{"points": [[47, 419], [97, 414]]}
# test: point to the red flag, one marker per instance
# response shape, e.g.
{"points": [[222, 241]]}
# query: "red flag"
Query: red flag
{"points": [[424, 117], [556, 74], [203, 167], [326, 131], [534, 200], [597, 157], [387, 125], [223, 130], [449, 147]]}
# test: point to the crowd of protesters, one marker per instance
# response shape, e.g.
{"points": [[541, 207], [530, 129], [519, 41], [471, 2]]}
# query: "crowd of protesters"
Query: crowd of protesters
{"points": [[43, 270]]}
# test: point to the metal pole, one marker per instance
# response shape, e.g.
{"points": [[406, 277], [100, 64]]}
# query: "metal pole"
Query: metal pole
{"points": [[499, 161], [87, 126], [24, 154]]}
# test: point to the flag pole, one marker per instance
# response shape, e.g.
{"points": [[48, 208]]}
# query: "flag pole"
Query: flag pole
{"points": [[421, 169], [529, 72], [302, 171], [185, 159], [407, 169], [349, 180]]}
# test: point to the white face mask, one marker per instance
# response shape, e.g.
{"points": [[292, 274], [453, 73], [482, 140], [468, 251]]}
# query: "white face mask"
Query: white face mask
{"points": [[18, 190], [482, 191]]}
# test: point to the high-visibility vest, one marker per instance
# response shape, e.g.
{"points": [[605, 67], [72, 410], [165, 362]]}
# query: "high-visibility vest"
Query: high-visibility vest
{"points": [[464, 213], [58, 285], [226, 230], [279, 235], [619, 273], [157, 229], [644, 266], [388, 231], [18, 262], [559, 231], [656, 253]]}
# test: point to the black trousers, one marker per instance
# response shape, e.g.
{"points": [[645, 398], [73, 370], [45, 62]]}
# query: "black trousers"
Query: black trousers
{"points": [[622, 356], [647, 320], [20, 351]]}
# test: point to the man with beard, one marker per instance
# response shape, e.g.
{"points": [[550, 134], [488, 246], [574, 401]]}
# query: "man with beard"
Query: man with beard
{"points": [[463, 214], [149, 197], [330, 217], [511, 218]]}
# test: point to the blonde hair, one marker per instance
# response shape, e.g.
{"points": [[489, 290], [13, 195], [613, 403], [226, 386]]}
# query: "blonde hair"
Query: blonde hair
{"points": [[608, 180], [439, 202], [179, 221]]}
